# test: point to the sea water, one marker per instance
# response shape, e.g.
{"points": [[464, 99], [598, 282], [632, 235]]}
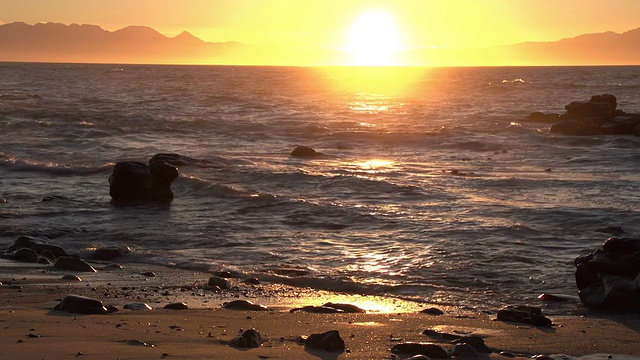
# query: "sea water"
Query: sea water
{"points": [[432, 185]]}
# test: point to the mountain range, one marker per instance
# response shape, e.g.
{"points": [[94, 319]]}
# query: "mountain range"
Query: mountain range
{"points": [[54, 42]]}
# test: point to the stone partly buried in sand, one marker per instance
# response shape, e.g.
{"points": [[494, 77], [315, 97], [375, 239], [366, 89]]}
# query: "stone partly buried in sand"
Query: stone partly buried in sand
{"points": [[73, 263], [244, 305], [77, 304], [427, 349], [609, 278], [524, 314], [247, 339], [329, 341]]}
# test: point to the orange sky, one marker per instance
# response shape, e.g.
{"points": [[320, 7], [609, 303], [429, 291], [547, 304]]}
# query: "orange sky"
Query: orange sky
{"points": [[329, 23]]}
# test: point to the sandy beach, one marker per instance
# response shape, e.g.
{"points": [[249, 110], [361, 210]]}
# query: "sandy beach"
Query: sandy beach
{"points": [[30, 329]]}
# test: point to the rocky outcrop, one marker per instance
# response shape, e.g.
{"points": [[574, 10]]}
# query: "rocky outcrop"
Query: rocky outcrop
{"points": [[597, 116], [609, 278], [135, 182]]}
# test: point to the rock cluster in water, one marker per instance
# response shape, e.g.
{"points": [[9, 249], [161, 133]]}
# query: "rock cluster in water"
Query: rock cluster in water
{"points": [[597, 116], [35, 250], [134, 182], [609, 278]]}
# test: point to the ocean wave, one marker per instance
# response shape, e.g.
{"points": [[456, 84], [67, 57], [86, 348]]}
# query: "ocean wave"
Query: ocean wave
{"points": [[15, 97], [14, 164]]}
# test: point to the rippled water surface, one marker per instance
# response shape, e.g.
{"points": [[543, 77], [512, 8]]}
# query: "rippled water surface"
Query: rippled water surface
{"points": [[432, 185]]}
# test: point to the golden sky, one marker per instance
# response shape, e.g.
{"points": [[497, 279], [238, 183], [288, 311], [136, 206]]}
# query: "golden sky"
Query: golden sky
{"points": [[330, 24]]}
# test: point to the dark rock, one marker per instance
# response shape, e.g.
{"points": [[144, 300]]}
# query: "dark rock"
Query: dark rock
{"points": [[223, 274], [347, 308], [474, 341], [613, 292], [621, 245], [36, 244], [25, 255], [77, 304], [506, 354], [440, 335], [427, 349], [252, 281], [247, 339], [244, 305], [541, 117], [222, 283], [48, 254], [329, 341], [621, 125], [43, 260], [133, 181], [148, 274], [576, 127], [418, 357], [524, 314], [138, 306], [304, 151], [109, 253], [463, 350], [432, 311], [176, 306], [73, 263], [599, 106], [317, 310]]}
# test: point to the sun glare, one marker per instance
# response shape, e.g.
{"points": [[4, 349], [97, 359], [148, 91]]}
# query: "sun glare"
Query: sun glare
{"points": [[374, 39]]}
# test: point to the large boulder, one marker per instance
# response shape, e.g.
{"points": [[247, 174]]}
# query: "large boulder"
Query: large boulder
{"points": [[609, 278], [133, 181]]}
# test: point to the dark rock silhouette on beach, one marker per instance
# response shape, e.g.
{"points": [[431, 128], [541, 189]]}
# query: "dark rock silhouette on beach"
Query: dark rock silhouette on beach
{"points": [[597, 116], [609, 278], [135, 182]]}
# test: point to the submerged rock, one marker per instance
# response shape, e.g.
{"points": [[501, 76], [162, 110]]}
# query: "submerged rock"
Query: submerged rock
{"points": [[38, 245], [77, 304], [329, 341], [304, 151]]}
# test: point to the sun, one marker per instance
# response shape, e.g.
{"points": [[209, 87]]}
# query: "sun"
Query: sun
{"points": [[374, 39]]}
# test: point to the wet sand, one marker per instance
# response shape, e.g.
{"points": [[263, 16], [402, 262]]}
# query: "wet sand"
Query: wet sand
{"points": [[30, 329]]}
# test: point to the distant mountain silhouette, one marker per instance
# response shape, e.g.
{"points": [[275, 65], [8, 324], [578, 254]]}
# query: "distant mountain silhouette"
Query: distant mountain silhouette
{"points": [[54, 42]]}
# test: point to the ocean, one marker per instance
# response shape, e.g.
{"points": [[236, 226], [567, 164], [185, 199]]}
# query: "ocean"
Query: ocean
{"points": [[432, 186]]}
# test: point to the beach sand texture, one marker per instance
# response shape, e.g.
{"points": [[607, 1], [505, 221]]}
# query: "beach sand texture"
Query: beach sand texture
{"points": [[30, 329]]}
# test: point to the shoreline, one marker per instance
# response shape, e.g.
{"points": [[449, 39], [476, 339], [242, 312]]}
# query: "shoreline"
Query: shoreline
{"points": [[31, 329]]}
